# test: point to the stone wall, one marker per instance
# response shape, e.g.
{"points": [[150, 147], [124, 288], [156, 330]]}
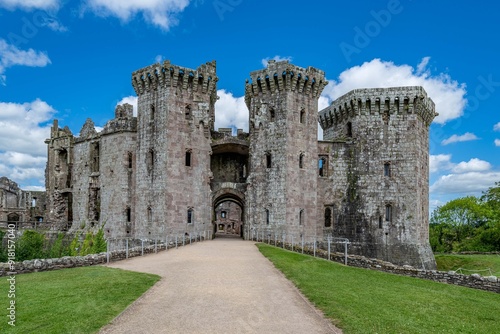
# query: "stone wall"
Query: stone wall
{"points": [[475, 281], [36, 265]]}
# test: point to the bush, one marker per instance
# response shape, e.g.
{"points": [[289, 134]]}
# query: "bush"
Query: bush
{"points": [[30, 246]]}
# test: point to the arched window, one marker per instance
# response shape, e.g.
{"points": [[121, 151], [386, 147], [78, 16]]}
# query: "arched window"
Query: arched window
{"points": [[267, 216], [328, 217], [302, 116], [301, 160], [301, 217]]}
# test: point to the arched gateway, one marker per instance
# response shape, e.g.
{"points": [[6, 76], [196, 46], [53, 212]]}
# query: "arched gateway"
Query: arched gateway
{"points": [[229, 166]]}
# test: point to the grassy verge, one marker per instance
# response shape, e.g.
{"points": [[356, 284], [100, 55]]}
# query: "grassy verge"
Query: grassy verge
{"points": [[77, 300], [476, 263], [365, 301]]}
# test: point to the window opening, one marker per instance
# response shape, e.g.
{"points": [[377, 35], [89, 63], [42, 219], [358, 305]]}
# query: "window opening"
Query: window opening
{"points": [[328, 217], [388, 213], [387, 169]]}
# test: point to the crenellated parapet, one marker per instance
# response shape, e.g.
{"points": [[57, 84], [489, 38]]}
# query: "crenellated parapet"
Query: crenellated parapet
{"points": [[124, 120], [282, 76], [383, 101], [202, 80]]}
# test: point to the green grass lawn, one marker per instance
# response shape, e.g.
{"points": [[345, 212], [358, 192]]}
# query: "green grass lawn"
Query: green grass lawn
{"points": [[367, 301], [472, 263], [76, 300]]}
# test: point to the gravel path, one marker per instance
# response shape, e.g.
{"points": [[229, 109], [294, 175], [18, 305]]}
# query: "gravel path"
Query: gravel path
{"points": [[219, 286]]}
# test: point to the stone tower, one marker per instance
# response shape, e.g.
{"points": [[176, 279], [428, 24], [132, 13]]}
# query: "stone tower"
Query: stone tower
{"points": [[175, 116], [385, 136], [283, 107], [58, 173]]}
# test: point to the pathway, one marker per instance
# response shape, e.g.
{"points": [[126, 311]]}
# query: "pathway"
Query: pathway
{"points": [[219, 286]]}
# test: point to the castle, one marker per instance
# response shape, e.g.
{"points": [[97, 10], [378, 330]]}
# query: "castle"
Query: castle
{"points": [[168, 171]]}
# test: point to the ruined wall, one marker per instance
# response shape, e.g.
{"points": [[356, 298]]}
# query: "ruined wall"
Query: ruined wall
{"points": [[385, 211], [282, 100], [175, 116], [58, 176]]}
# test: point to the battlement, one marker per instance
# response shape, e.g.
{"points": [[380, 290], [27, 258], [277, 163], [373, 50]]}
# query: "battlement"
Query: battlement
{"points": [[203, 79], [283, 76], [369, 101], [125, 110]]}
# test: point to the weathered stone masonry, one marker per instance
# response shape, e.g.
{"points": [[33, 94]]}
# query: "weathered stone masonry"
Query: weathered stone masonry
{"points": [[168, 171]]}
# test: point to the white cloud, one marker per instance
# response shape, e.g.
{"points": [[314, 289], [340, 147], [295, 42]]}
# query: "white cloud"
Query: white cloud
{"points": [[466, 183], [130, 100], [159, 58], [455, 138], [276, 58], [473, 165], [161, 13], [497, 142], [496, 127], [30, 4], [23, 153], [230, 111], [10, 56], [447, 94], [440, 162]]}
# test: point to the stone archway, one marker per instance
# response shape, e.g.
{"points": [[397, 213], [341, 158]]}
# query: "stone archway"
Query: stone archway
{"points": [[228, 216]]}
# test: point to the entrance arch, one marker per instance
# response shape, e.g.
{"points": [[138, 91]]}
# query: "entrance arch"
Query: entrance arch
{"points": [[228, 212]]}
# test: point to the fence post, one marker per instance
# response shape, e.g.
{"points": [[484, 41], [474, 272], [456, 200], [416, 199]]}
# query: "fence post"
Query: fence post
{"points": [[107, 252], [283, 240], [314, 247], [126, 245], [329, 241], [345, 253], [176, 236], [142, 247], [166, 243], [302, 244], [156, 245], [292, 243]]}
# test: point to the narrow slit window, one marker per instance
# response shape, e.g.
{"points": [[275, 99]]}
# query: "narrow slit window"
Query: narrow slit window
{"points": [[272, 115], [301, 217], [387, 169], [152, 112], [328, 217], [187, 112], [190, 214], [322, 166], [349, 129], [267, 216], [388, 213], [130, 160], [380, 222], [129, 214], [188, 158], [302, 116], [301, 160], [268, 160]]}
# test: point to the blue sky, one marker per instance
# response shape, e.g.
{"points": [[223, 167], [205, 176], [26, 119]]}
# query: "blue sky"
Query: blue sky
{"points": [[72, 60]]}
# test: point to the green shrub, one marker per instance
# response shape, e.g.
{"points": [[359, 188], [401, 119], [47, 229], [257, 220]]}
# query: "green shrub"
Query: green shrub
{"points": [[30, 246]]}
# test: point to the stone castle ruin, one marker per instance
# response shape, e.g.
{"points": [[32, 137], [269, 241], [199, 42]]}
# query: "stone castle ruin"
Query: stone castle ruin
{"points": [[169, 171]]}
